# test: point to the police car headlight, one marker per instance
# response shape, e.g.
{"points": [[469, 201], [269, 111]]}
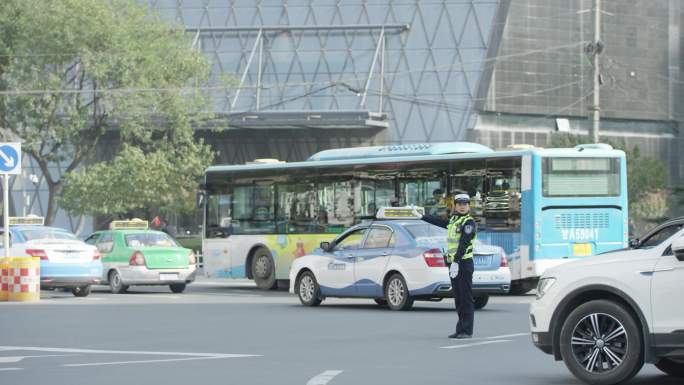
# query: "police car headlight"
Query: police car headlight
{"points": [[544, 286]]}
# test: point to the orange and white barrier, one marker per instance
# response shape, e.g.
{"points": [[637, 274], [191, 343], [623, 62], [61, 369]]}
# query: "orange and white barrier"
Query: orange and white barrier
{"points": [[4, 279], [21, 279]]}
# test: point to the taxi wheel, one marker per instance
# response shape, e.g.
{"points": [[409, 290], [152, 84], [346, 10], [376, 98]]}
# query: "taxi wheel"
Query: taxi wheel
{"points": [[177, 287], [397, 293], [308, 291], [81, 291], [672, 366], [601, 344], [481, 301], [115, 283], [263, 269]]}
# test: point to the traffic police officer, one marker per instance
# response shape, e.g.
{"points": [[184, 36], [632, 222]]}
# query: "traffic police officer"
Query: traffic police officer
{"points": [[461, 234]]}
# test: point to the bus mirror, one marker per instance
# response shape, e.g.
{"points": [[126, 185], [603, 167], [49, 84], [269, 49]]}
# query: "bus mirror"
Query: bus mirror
{"points": [[199, 199], [325, 246]]}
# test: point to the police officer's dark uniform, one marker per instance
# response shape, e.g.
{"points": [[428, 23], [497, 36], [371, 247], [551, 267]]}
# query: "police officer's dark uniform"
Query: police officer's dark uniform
{"points": [[461, 234]]}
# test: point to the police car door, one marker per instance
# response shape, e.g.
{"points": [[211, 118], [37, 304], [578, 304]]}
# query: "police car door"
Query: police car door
{"points": [[337, 273], [371, 261]]}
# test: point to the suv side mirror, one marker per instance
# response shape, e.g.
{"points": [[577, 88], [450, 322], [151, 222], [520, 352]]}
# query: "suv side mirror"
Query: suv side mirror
{"points": [[678, 248], [325, 246], [634, 243]]}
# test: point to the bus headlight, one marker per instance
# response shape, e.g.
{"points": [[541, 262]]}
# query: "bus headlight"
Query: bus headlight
{"points": [[544, 286]]}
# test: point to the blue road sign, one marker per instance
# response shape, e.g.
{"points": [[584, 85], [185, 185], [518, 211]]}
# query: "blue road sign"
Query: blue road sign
{"points": [[10, 158]]}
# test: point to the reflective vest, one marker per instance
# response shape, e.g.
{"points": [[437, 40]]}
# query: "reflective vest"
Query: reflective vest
{"points": [[454, 228]]}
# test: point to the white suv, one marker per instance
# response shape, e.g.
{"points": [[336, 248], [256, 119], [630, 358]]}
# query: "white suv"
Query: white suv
{"points": [[606, 315]]}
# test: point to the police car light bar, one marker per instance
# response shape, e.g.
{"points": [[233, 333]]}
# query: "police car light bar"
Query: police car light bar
{"points": [[137, 224], [404, 212], [29, 220]]}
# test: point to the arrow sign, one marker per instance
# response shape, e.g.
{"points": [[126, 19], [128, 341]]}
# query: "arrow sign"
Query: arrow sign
{"points": [[10, 158]]}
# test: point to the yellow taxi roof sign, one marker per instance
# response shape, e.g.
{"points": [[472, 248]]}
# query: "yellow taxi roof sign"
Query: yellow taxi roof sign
{"points": [[136, 224], [404, 212], [27, 220]]}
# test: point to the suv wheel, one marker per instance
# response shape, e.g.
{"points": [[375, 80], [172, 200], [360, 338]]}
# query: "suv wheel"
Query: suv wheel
{"points": [[601, 344]]}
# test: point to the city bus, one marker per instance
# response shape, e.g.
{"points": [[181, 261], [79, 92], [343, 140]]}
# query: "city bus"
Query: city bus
{"points": [[542, 206]]}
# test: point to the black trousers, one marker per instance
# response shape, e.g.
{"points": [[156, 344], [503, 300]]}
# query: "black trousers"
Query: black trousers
{"points": [[463, 296]]}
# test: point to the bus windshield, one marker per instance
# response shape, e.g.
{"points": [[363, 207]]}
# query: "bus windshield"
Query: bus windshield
{"points": [[564, 177]]}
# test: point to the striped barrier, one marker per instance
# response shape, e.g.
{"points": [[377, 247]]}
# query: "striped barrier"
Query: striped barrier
{"points": [[23, 276], [4, 279]]}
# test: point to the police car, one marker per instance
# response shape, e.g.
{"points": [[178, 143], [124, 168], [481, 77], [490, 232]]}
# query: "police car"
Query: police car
{"points": [[606, 315], [65, 261], [133, 254], [394, 260]]}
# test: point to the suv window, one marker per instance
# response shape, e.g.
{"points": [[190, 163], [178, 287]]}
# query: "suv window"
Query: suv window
{"points": [[351, 241], [379, 237], [660, 236]]}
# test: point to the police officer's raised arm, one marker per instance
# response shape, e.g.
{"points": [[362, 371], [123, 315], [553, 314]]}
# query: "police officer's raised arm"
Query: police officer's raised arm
{"points": [[437, 221]]}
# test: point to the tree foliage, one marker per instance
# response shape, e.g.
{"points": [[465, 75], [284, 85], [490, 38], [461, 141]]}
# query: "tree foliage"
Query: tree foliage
{"points": [[73, 72]]}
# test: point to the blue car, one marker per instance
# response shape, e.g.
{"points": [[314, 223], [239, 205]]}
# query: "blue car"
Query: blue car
{"points": [[65, 261]]}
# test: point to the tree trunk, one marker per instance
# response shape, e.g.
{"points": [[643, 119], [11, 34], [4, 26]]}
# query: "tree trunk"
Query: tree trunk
{"points": [[53, 189]]}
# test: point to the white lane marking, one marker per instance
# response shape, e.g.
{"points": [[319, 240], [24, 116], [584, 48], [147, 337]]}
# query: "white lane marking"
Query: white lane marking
{"points": [[502, 336], [4, 360], [8, 369], [324, 377], [475, 344], [151, 361], [73, 350]]}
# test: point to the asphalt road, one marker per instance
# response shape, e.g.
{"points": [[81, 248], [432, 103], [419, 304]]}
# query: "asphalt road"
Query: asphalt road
{"points": [[235, 334]]}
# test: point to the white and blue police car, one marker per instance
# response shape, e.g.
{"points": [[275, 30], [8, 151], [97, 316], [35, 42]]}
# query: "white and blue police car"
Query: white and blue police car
{"points": [[395, 260]]}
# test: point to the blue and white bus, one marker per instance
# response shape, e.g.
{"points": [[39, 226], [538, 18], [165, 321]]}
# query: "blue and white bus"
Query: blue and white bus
{"points": [[542, 206]]}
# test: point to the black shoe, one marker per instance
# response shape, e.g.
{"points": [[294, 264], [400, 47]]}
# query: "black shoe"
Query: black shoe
{"points": [[462, 336], [455, 335]]}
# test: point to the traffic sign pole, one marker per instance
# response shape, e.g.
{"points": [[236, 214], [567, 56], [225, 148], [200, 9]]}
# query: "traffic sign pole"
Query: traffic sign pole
{"points": [[5, 213]]}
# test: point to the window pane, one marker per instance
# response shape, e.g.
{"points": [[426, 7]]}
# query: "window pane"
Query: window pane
{"points": [[501, 198], [581, 177], [378, 237], [149, 240], [336, 205], [352, 241], [297, 209]]}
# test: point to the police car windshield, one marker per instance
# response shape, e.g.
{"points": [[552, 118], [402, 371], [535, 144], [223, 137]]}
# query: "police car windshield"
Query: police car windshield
{"points": [[426, 230], [32, 234], [149, 240]]}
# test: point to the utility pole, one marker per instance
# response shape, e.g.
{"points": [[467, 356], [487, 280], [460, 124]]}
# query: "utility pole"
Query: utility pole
{"points": [[595, 48]]}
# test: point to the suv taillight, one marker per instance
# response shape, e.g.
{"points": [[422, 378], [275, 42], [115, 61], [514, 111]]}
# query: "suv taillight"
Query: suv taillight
{"points": [[434, 258], [137, 259], [37, 253]]}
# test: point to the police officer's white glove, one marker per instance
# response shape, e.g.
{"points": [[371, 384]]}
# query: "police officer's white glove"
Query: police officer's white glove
{"points": [[453, 270], [415, 212]]}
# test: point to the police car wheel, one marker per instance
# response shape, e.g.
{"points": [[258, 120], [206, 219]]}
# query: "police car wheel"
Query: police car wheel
{"points": [[115, 283], [601, 344], [81, 291], [481, 301], [177, 287], [308, 291], [263, 269], [396, 293], [672, 366]]}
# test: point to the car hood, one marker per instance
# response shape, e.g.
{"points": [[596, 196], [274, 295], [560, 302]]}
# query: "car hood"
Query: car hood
{"points": [[611, 258]]}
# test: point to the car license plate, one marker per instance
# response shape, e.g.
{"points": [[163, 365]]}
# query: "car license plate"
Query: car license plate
{"points": [[483, 261], [168, 276], [581, 249]]}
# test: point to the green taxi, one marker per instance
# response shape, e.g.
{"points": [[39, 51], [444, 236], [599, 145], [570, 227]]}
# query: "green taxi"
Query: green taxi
{"points": [[132, 254]]}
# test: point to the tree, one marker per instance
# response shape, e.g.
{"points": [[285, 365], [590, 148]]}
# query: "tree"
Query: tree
{"points": [[73, 72]]}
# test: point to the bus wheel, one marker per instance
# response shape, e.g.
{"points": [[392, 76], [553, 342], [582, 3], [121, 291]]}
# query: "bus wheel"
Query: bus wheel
{"points": [[263, 269], [522, 286]]}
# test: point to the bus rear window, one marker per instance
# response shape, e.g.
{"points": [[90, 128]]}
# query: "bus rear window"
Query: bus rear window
{"points": [[581, 177]]}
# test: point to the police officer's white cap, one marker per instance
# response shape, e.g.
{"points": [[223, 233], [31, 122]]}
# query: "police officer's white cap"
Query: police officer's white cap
{"points": [[462, 198]]}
